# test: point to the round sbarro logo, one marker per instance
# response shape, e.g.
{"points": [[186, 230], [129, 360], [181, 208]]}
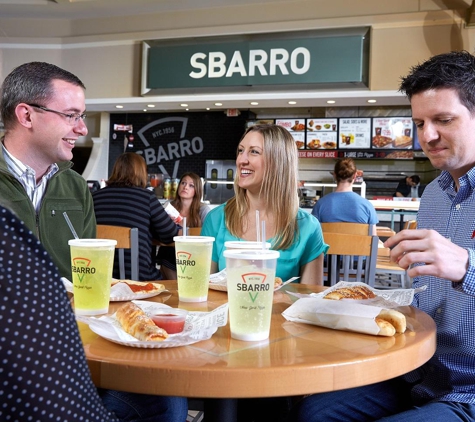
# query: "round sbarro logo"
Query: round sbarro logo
{"points": [[253, 283], [184, 260], [82, 267]]}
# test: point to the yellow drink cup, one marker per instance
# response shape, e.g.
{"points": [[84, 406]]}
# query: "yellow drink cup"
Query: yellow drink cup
{"points": [[250, 281], [92, 261], [193, 264]]}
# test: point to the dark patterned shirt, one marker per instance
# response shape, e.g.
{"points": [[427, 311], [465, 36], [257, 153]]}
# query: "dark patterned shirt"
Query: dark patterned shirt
{"points": [[43, 371]]}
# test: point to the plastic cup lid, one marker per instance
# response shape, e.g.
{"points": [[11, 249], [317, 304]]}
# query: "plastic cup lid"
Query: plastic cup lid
{"points": [[243, 244], [254, 254], [194, 239], [87, 243]]}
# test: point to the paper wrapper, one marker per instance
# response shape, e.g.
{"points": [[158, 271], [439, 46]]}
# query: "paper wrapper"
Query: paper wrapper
{"points": [[384, 298], [198, 326], [336, 314], [346, 314], [122, 292]]}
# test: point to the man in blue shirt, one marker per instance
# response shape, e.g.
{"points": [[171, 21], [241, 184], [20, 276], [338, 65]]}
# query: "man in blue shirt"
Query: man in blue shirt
{"points": [[440, 255]]}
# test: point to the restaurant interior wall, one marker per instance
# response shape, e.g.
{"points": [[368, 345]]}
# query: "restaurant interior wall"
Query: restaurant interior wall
{"points": [[109, 50]]}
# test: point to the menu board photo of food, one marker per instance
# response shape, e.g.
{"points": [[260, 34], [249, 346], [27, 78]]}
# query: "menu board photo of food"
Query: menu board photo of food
{"points": [[321, 133], [296, 127], [319, 125], [354, 133], [392, 132]]}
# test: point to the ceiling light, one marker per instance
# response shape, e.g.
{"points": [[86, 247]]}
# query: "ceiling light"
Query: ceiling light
{"points": [[207, 108], [186, 109], [371, 101], [119, 106], [151, 105], [292, 102], [254, 103], [145, 109], [183, 105], [331, 102], [218, 104]]}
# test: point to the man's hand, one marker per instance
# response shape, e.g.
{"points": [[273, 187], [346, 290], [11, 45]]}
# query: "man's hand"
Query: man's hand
{"points": [[441, 257]]}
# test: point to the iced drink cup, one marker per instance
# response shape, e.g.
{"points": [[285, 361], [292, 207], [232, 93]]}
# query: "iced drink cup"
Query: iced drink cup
{"points": [[92, 261], [250, 280], [193, 263]]}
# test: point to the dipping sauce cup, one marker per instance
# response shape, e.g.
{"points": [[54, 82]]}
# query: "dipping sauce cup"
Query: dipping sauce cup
{"points": [[250, 281], [193, 264], [171, 320], [92, 261]]}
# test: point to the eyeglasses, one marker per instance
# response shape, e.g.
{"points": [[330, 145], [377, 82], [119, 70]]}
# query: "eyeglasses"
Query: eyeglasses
{"points": [[73, 118]]}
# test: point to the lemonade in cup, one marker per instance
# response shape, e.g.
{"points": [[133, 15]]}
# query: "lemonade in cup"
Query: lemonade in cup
{"points": [[250, 282], [92, 261], [193, 264]]}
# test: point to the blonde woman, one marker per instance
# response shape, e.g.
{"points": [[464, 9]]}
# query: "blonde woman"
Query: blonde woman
{"points": [[266, 181]]}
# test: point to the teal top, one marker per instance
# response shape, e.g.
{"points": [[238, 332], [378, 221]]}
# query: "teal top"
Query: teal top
{"points": [[307, 246]]}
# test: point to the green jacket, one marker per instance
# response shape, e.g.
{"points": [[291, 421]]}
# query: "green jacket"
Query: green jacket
{"points": [[66, 191]]}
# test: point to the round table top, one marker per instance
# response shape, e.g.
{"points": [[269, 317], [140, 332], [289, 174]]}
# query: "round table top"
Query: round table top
{"points": [[296, 359]]}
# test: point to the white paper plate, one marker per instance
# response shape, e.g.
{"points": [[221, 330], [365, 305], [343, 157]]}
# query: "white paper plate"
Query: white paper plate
{"points": [[199, 326], [167, 343], [121, 297], [135, 296]]}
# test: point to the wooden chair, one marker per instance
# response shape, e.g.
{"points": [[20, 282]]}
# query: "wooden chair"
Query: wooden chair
{"points": [[351, 257], [127, 238], [410, 225], [193, 231], [391, 269], [348, 228]]}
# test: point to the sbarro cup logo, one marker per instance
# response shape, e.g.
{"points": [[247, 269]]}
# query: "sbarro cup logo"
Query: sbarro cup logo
{"points": [[253, 283], [82, 267], [183, 260]]}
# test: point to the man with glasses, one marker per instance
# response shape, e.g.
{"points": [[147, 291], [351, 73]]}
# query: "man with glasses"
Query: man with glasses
{"points": [[42, 108]]}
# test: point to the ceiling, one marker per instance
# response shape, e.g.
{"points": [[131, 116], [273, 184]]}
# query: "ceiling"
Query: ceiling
{"points": [[93, 9]]}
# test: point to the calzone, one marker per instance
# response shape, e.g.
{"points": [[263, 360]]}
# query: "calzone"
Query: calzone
{"points": [[135, 322]]}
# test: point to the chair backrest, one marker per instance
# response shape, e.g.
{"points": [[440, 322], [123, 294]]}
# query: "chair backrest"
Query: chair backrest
{"points": [[411, 225], [351, 257], [348, 228], [194, 231], [127, 238]]}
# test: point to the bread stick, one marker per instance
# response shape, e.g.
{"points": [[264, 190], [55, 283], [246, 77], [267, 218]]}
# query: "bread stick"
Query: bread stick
{"points": [[135, 322], [395, 318]]}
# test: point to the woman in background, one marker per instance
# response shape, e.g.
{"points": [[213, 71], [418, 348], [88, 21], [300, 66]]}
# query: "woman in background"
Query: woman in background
{"points": [[126, 202], [344, 205], [266, 181], [189, 205]]}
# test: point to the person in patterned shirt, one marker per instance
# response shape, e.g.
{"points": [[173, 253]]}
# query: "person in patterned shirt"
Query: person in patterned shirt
{"points": [[439, 254], [43, 370]]}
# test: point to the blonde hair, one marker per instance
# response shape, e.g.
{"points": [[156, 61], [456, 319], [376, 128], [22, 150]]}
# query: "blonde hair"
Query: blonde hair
{"points": [[279, 187], [194, 219]]}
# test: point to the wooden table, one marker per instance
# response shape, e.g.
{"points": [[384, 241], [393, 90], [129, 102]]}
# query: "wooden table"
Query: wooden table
{"points": [[297, 359]]}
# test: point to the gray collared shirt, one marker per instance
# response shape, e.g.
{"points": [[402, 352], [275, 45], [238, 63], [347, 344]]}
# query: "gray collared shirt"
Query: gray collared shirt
{"points": [[27, 177]]}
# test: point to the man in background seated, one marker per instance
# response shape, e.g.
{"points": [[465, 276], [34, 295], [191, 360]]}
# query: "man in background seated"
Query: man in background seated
{"points": [[408, 187], [44, 374]]}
